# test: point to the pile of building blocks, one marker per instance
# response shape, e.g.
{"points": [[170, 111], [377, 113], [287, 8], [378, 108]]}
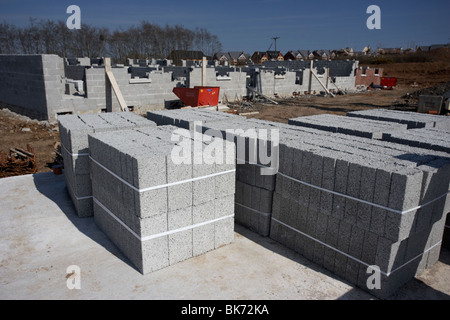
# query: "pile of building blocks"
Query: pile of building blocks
{"points": [[347, 206], [158, 207], [414, 120], [348, 202], [186, 118], [253, 203], [427, 138], [74, 131], [373, 129]]}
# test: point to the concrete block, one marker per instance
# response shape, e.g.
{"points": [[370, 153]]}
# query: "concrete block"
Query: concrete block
{"points": [[340, 185], [366, 193], [353, 186], [326, 198], [380, 197], [224, 232], [180, 246], [225, 184], [203, 239]]}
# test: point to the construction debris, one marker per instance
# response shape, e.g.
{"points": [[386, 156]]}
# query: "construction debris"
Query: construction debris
{"points": [[17, 162]]}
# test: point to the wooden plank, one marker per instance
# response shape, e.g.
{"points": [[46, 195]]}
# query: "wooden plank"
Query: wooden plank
{"points": [[323, 86], [262, 95], [114, 85]]}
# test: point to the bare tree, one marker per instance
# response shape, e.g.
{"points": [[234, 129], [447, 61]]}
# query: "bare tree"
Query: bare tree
{"points": [[147, 40], [8, 36]]}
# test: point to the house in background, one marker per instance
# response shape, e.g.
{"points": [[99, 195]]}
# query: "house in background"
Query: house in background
{"points": [[323, 54], [366, 76], [238, 58], [232, 58], [221, 57], [177, 55], [344, 52], [423, 49], [298, 55], [275, 55], [259, 57], [384, 51]]}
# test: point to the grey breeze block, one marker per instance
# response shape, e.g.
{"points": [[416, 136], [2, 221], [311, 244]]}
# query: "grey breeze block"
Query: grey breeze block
{"points": [[74, 131], [341, 233], [362, 127], [346, 235], [156, 209], [253, 202], [334, 228]]}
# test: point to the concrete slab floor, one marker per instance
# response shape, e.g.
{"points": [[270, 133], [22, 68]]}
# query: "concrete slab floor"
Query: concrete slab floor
{"points": [[42, 236]]}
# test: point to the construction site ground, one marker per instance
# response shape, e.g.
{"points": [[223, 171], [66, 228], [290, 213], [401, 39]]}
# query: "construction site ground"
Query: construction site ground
{"points": [[42, 235]]}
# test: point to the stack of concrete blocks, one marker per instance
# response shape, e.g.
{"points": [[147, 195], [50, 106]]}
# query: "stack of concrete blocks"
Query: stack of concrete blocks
{"points": [[368, 128], [157, 209], [253, 203], [73, 132], [414, 120], [427, 138], [427, 131], [188, 118], [233, 86], [255, 170], [347, 203]]}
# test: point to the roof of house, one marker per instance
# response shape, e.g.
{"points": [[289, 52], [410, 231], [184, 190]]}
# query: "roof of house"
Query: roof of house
{"points": [[260, 54], [235, 55], [273, 54], [220, 55], [438, 46], [185, 55]]}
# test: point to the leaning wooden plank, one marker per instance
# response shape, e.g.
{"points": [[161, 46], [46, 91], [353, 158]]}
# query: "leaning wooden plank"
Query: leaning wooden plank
{"points": [[323, 86], [114, 85], [262, 95]]}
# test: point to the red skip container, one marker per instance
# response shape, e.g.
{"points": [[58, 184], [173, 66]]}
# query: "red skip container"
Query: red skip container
{"points": [[198, 96], [388, 82]]}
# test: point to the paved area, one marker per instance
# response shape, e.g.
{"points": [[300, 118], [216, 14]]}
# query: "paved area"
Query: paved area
{"points": [[42, 236]]}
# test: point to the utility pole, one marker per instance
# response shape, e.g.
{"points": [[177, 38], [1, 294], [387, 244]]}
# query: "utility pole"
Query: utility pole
{"points": [[276, 38]]}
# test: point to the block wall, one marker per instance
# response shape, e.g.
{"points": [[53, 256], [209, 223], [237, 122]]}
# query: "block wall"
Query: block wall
{"points": [[232, 86], [22, 86]]}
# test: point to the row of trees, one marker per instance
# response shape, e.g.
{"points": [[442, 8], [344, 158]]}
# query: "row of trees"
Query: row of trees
{"points": [[144, 41]]}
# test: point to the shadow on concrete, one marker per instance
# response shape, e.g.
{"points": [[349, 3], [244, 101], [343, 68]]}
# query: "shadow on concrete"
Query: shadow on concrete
{"points": [[278, 248], [415, 289], [54, 188]]}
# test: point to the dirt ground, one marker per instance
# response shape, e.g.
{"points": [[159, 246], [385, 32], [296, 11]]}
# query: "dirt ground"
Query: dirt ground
{"points": [[340, 104], [18, 131]]}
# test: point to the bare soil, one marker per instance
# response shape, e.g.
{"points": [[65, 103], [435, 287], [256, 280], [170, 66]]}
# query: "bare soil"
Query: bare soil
{"points": [[340, 104], [18, 131]]}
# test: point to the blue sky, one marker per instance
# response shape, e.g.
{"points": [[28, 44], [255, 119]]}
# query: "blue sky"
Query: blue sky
{"points": [[250, 25]]}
